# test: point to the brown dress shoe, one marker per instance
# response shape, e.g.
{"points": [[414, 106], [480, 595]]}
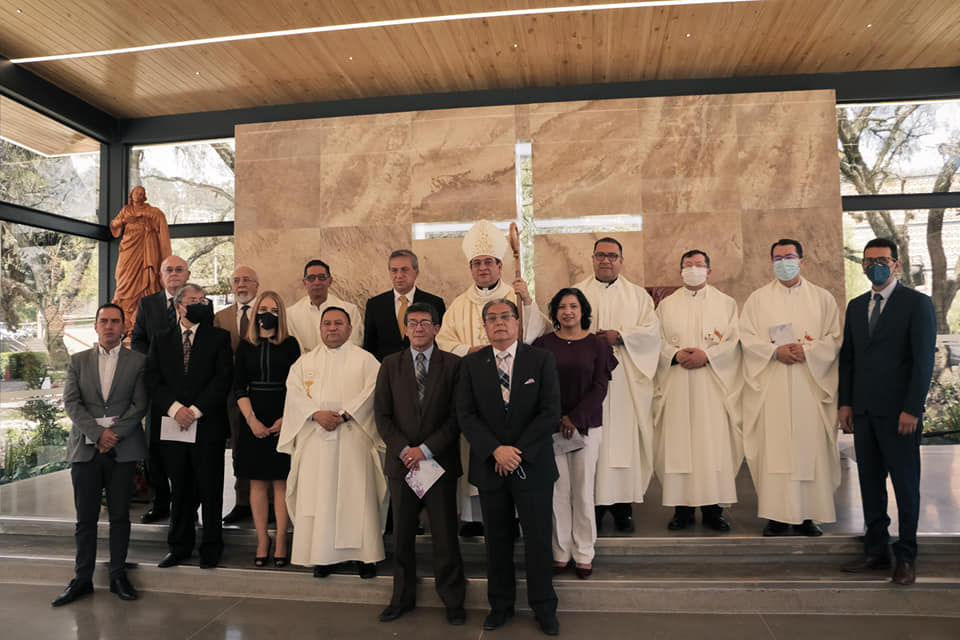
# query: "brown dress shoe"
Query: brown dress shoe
{"points": [[867, 563], [905, 573]]}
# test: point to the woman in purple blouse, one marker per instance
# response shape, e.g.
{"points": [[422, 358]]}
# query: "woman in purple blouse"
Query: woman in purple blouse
{"points": [[584, 363]]}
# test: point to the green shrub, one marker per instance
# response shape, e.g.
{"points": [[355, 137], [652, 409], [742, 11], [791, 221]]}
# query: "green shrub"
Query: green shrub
{"points": [[30, 366]]}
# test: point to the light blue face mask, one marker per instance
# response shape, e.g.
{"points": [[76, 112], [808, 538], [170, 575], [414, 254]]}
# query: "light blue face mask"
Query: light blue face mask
{"points": [[786, 269]]}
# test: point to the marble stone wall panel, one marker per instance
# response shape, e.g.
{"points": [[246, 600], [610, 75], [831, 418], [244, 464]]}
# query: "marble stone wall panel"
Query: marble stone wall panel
{"points": [[684, 116], [689, 174], [365, 188], [667, 237], [584, 178], [565, 259], [367, 134], [279, 193], [463, 184], [271, 141], [357, 257]]}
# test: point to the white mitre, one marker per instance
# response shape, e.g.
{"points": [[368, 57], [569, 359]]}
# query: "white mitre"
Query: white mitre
{"points": [[484, 239]]}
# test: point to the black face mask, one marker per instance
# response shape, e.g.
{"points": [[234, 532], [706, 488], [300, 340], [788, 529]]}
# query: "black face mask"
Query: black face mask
{"points": [[268, 321], [200, 313]]}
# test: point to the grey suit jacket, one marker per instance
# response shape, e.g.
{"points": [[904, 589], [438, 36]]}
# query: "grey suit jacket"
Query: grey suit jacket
{"points": [[127, 400]]}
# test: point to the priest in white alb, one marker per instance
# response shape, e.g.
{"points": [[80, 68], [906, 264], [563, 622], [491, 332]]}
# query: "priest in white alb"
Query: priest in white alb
{"points": [[336, 492], [462, 331], [699, 446], [623, 314], [303, 317], [790, 334]]}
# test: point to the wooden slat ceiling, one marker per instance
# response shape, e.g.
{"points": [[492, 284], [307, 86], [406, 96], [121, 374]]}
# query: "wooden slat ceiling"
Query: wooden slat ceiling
{"points": [[29, 129], [726, 40]]}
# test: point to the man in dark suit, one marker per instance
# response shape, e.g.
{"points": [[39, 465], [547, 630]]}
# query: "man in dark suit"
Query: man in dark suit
{"points": [[886, 363], [413, 404], [236, 319], [508, 405], [189, 371], [383, 330], [156, 314], [105, 397]]}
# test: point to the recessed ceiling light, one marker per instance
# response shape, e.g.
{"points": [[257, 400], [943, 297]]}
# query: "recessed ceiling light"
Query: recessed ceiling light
{"points": [[19, 11], [515, 45], [198, 73], [688, 35], [350, 58], [483, 15], [869, 25]]}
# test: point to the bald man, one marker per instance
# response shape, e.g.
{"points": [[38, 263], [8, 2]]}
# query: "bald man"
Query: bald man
{"points": [[236, 319]]}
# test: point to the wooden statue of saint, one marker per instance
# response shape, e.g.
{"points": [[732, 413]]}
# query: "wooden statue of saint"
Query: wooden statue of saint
{"points": [[144, 245]]}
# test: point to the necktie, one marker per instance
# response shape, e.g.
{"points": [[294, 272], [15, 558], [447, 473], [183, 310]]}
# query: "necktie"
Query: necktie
{"points": [[875, 314], [402, 312], [186, 349], [171, 313], [244, 321], [421, 375], [503, 365]]}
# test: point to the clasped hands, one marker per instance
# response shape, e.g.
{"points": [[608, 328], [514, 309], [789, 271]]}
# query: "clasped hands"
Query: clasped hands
{"points": [[260, 430], [691, 358], [507, 459], [329, 420], [790, 353], [906, 424], [107, 440]]}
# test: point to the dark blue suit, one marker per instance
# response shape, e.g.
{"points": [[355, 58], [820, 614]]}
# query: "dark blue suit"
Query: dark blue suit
{"points": [[881, 376]]}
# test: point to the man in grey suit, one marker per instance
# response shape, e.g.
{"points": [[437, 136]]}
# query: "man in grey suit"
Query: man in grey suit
{"points": [[105, 397]]}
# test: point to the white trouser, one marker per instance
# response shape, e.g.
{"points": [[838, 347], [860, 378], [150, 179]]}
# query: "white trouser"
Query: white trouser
{"points": [[574, 522]]}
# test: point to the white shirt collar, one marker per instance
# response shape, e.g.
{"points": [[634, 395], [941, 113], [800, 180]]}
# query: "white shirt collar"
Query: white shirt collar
{"points": [[184, 328], [427, 352], [408, 295], [512, 350], [112, 353], [886, 292]]}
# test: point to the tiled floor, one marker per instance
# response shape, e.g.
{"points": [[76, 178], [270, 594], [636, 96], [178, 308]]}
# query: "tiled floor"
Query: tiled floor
{"points": [[26, 614]]}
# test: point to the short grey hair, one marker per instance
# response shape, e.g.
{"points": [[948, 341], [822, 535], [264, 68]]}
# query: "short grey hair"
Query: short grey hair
{"points": [[182, 291], [509, 303], [405, 253]]}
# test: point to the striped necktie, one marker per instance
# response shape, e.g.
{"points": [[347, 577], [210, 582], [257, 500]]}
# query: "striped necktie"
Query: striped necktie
{"points": [[421, 372], [503, 366], [186, 349]]}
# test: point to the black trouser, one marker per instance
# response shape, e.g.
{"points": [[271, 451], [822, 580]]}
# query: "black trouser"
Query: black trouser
{"points": [[710, 511], [196, 472], [535, 508], [89, 481], [441, 505], [882, 451], [156, 468], [620, 510]]}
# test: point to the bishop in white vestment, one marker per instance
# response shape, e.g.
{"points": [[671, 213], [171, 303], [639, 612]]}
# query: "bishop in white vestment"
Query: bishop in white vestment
{"points": [[699, 445], [462, 330], [623, 312], [336, 492], [790, 333]]}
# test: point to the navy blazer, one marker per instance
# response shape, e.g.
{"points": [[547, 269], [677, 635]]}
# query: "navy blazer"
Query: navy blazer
{"points": [[381, 335], [205, 384], [889, 372], [527, 424], [151, 321]]}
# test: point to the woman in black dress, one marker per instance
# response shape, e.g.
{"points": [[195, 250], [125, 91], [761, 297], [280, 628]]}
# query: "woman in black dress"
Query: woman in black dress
{"points": [[264, 357]]}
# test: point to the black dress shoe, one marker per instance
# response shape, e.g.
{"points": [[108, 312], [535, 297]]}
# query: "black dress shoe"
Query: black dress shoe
{"points": [[209, 563], [393, 612], [624, 524], [74, 590], [122, 587], [367, 570], [169, 560], [155, 515], [867, 563], [905, 574], [497, 618], [239, 513], [808, 528], [322, 570], [471, 530], [680, 521], [717, 523], [776, 528], [549, 625], [457, 616]]}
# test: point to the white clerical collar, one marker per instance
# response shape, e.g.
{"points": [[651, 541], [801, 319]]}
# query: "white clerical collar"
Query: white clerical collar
{"points": [[486, 291], [317, 306], [408, 295], [607, 284], [886, 292], [109, 353], [512, 350], [696, 293]]}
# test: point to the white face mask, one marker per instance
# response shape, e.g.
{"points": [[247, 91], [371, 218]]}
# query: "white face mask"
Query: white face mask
{"points": [[694, 276]]}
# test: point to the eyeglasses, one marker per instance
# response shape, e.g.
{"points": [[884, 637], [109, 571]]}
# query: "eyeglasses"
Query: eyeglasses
{"points": [[413, 324], [189, 301], [612, 257], [881, 260], [476, 264], [492, 317], [789, 256], [314, 277], [174, 269], [244, 280]]}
